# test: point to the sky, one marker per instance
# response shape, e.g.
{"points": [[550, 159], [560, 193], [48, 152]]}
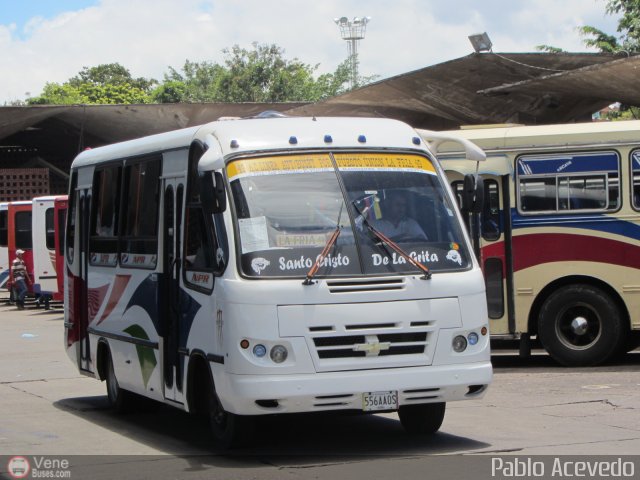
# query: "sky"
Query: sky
{"points": [[52, 40]]}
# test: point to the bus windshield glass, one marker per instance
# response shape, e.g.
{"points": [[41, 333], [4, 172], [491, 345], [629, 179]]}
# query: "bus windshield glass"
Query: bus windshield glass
{"points": [[287, 207]]}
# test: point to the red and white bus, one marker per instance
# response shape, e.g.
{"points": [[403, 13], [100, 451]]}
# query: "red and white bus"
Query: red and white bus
{"points": [[20, 235]]}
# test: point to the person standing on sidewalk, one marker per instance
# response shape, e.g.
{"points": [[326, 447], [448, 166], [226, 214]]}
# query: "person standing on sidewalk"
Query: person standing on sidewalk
{"points": [[20, 276]]}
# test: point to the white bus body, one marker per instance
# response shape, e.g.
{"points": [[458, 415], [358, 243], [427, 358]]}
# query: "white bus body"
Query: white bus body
{"points": [[4, 251], [208, 310]]}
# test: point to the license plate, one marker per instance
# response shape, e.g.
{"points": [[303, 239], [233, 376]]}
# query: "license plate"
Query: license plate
{"points": [[372, 401]]}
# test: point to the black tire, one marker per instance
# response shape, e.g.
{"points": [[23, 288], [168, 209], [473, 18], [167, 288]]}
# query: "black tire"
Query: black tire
{"points": [[422, 419], [122, 401], [580, 325], [229, 430]]}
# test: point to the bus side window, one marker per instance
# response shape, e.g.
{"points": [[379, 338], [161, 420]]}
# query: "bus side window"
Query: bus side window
{"points": [[69, 238], [199, 237], [198, 249], [4, 228], [635, 179], [50, 231], [139, 239], [23, 230], [491, 211], [103, 240]]}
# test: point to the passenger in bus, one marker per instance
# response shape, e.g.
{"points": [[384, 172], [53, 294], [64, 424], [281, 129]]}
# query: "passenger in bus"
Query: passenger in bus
{"points": [[396, 223], [20, 276]]}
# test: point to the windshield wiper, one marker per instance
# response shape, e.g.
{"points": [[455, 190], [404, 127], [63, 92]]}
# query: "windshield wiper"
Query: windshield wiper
{"points": [[386, 241], [325, 251]]}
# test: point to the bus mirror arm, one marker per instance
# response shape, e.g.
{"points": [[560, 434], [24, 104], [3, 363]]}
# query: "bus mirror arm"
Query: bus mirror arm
{"points": [[473, 193], [212, 192]]}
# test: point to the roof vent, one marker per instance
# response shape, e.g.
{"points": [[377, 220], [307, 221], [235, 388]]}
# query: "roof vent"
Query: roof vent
{"points": [[270, 114]]}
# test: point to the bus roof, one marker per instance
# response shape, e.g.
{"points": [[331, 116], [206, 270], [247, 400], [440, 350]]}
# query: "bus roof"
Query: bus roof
{"points": [[517, 137], [47, 198], [247, 135]]}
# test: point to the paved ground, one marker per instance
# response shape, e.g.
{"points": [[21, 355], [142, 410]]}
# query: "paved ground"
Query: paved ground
{"points": [[534, 407]]}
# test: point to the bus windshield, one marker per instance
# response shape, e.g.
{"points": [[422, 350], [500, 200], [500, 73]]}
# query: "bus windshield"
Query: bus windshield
{"points": [[287, 207]]}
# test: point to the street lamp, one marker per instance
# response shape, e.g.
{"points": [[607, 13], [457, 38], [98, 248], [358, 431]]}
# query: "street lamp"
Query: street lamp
{"points": [[352, 31], [481, 42]]}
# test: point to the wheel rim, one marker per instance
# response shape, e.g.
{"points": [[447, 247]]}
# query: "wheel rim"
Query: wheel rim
{"points": [[578, 326]]}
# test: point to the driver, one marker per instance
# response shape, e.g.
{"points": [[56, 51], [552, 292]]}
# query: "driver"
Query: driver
{"points": [[396, 224]]}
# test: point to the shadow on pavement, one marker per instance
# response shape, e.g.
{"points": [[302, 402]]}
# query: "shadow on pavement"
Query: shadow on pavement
{"points": [[280, 440]]}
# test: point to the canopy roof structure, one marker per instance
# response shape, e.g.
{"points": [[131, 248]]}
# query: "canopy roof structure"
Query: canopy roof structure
{"points": [[481, 88], [490, 88]]}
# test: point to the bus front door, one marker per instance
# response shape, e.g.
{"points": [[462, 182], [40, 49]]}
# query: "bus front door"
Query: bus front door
{"points": [[496, 256], [172, 218], [81, 291]]}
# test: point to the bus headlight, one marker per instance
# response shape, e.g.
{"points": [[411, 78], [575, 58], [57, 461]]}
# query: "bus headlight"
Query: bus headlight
{"points": [[259, 350], [472, 338], [279, 354], [459, 344]]}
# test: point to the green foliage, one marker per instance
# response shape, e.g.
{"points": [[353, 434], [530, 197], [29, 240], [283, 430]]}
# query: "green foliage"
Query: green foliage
{"points": [[629, 23], [600, 40], [104, 84], [549, 49], [196, 82], [259, 74], [628, 26]]}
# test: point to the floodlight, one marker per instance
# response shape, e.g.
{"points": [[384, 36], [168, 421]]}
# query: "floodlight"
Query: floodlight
{"points": [[481, 42]]}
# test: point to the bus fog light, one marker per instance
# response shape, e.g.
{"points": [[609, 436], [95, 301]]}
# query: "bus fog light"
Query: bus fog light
{"points": [[259, 350], [459, 344], [279, 354], [472, 338]]}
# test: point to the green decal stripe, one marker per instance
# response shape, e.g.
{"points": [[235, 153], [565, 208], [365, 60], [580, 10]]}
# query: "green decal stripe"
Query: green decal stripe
{"points": [[146, 355]]}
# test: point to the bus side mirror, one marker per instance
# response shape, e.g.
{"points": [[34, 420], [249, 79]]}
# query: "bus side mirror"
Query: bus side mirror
{"points": [[472, 193], [212, 192]]}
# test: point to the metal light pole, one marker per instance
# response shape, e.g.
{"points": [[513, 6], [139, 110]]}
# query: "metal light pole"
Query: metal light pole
{"points": [[352, 31]]}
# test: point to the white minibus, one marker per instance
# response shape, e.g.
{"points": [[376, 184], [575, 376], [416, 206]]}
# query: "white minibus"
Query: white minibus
{"points": [[275, 265]]}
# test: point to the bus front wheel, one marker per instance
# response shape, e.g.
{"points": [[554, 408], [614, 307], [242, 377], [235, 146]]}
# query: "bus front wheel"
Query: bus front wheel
{"points": [[424, 419], [580, 325], [121, 400], [229, 430]]}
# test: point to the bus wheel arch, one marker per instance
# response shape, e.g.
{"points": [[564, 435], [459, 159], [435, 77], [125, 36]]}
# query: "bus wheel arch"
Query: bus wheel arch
{"points": [[580, 320], [102, 357], [198, 374], [229, 430]]}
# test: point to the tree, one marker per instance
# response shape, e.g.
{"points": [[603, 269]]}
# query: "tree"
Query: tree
{"points": [[104, 84], [628, 27], [196, 82], [628, 42], [259, 74]]}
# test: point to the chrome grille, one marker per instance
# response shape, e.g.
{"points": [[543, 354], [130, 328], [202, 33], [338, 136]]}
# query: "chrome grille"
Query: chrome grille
{"points": [[374, 345]]}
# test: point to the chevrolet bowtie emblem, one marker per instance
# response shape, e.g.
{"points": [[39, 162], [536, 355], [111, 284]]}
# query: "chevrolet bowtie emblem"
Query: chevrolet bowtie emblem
{"points": [[373, 347]]}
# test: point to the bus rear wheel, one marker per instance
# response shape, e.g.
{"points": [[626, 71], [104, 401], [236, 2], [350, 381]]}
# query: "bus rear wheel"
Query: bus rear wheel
{"points": [[229, 430], [580, 325], [423, 419]]}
